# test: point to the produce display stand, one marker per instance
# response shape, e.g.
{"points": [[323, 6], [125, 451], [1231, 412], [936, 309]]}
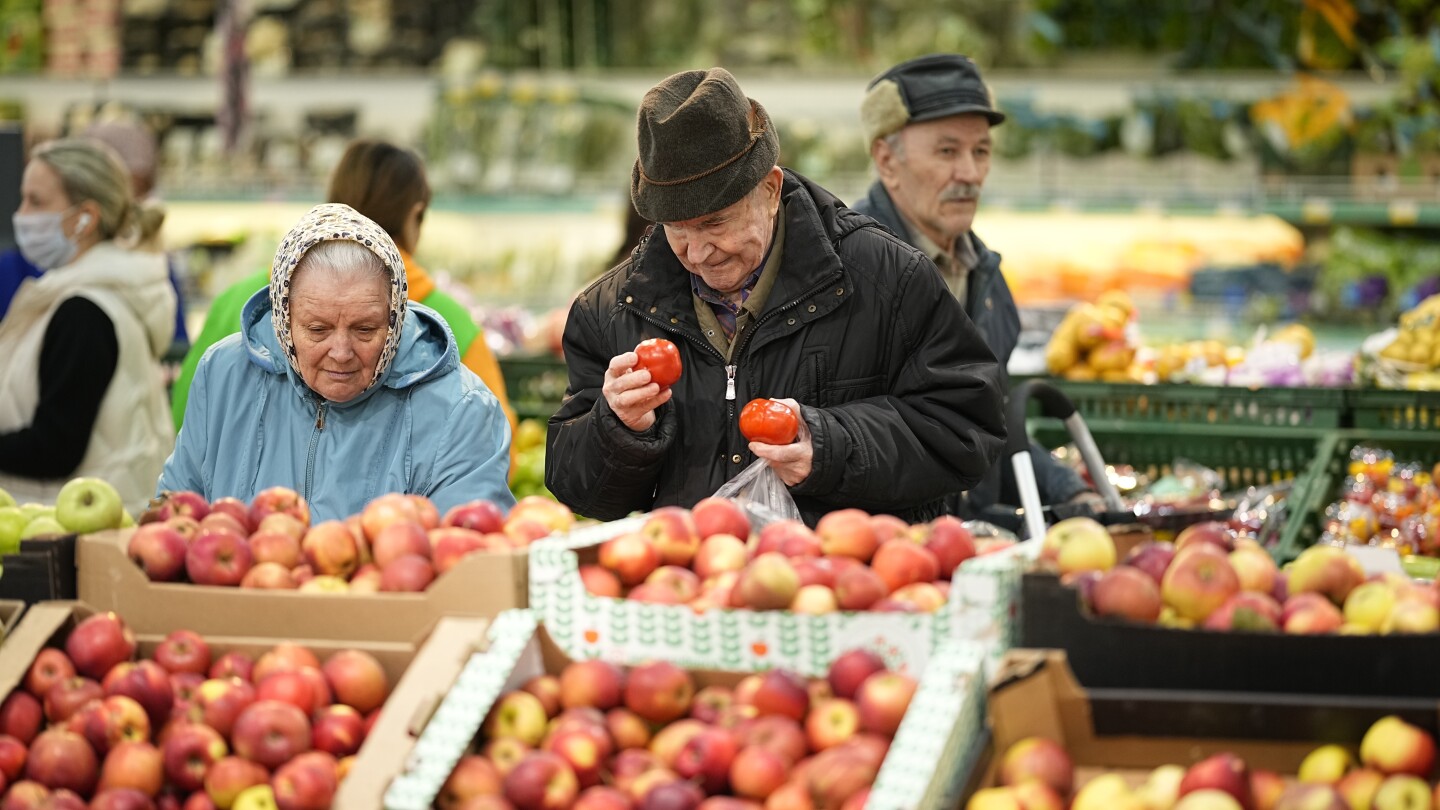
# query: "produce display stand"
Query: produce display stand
{"points": [[980, 609], [43, 569], [1373, 409], [482, 584], [1112, 407], [933, 749]]}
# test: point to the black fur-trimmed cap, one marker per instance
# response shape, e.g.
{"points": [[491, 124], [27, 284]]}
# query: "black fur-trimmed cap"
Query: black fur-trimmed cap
{"points": [[923, 89]]}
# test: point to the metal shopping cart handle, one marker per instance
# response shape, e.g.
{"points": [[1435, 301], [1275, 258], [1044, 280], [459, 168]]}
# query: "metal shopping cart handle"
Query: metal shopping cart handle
{"points": [[1055, 404]]}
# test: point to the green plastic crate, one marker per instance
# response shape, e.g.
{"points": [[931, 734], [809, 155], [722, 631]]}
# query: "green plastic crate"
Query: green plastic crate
{"points": [[1323, 480], [535, 384], [1377, 409], [1121, 407]]}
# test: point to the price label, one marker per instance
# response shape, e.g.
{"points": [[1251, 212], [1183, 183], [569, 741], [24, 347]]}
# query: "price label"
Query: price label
{"points": [[1377, 559]]}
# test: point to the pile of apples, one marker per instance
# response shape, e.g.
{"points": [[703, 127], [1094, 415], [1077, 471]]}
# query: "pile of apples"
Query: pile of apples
{"points": [[182, 731], [707, 557], [1384, 502], [1213, 579], [82, 506], [397, 542], [1395, 761], [599, 737]]}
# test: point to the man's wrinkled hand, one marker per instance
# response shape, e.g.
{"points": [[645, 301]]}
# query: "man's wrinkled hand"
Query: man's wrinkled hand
{"points": [[631, 394], [791, 461]]}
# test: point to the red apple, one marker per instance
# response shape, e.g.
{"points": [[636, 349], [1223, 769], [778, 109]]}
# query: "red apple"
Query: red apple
{"points": [[672, 795], [506, 753], [901, 562], [219, 702], [479, 516], [601, 797], [233, 664], [706, 759], [339, 730], [883, 700], [627, 728], [189, 752], [591, 682], [682, 584], [119, 799], [217, 521], [599, 581], [859, 588], [1266, 787], [631, 556], [1327, 570], [831, 722], [234, 509], [331, 549], [183, 503], [473, 776], [357, 679], [99, 643], [541, 781], [1199, 581], [136, 765], [851, 668], [385, 510], [848, 533], [1224, 772], [547, 512], [299, 786], [270, 576], [280, 523], [952, 544], [1246, 610], [1390, 746], [230, 775], [64, 698], [757, 772], [159, 550], [399, 539], [670, 740], [720, 553], [429, 515], [12, 759], [147, 683], [271, 733], [769, 582], [218, 557], [714, 516], [279, 499], [50, 665], [183, 651], [582, 751], [549, 690], [1213, 532], [782, 692], [62, 759], [451, 545], [407, 574], [659, 691], [276, 547], [1127, 593], [672, 531], [26, 795], [1152, 558], [283, 657], [838, 774], [288, 687], [710, 703], [1040, 759]]}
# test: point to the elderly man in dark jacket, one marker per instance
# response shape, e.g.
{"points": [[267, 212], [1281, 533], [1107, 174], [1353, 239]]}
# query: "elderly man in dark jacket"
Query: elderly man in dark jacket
{"points": [[928, 125], [770, 287]]}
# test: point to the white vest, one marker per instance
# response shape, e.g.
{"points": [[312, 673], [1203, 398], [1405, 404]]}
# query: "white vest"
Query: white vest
{"points": [[133, 432]]}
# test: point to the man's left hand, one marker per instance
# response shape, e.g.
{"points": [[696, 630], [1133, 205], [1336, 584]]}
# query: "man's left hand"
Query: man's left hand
{"points": [[792, 461]]}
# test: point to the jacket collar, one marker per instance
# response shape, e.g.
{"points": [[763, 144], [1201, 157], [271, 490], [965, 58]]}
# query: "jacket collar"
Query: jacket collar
{"points": [[881, 208]]}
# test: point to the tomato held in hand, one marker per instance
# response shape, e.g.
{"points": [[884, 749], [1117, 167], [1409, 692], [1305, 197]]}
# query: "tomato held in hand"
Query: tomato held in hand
{"points": [[660, 357], [769, 422]]}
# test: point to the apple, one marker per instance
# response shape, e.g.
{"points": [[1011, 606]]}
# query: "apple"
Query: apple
{"points": [[1247, 610], [706, 759], [1402, 792], [591, 682], [782, 692], [98, 643], [232, 509], [147, 683], [1224, 772], [1393, 746], [851, 668], [1412, 615], [889, 527], [776, 733], [25, 795], [719, 553], [290, 687], [1199, 581], [1327, 570], [1358, 787], [1208, 799], [1255, 568], [711, 703], [64, 698], [849, 533], [682, 583], [478, 515], [176, 504], [859, 588], [601, 797], [301, 786], [1369, 605], [714, 516], [1078, 544], [541, 781], [233, 664], [835, 775], [1037, 796], [672, 796], [62, 759], [600, 581], [219, 702], [119, 799], [1040, 759], [549, 690], [951, 543], [1310, 614], [330, 548], [357, 679], [583, 751], [673, 533], [631, 556], [814, 600], [1311, 797], [271, 732], [1127, 593], [189, 752], [769, 582], [831, 722], [398, 539], [408, 573], [627, 729], [229, 777], [790, 538], [381, 512], [1211, 532], [756, 772], [279, 499], [218, 557], [1162, 787], [271, 576], [1103, 793], [277, 547], [1266, 787], [12, 759], [901, 562], [88, 505], [159, 550], [517, 714], [473, 776], [659, 691], [1152, 558], [883, 700], [50, 665], [448, 546], [183, 651], [137, 765]]}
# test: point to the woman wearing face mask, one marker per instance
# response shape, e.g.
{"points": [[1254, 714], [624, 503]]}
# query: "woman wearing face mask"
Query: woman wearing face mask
{"points": [[340, 388], [80, 346]]}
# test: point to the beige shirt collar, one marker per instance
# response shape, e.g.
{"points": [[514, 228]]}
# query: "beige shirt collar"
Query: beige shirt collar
{"points": [[954, 266]]}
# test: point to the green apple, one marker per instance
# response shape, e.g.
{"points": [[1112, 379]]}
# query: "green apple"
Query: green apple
{"points": [[127, 521], [88, 505], [6, 499], [34, 510], [42, 526], [12, 523]]}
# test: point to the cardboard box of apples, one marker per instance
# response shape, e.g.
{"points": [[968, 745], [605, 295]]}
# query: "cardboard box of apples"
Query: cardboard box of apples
{"points": [[1214, 612], [701, 588], [526, 727], [1057, 745], [263, 569], [96, 713]]}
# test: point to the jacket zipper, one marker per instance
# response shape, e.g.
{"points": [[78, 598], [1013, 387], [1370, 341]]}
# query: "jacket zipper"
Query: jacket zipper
{"points": [[314, 442]]}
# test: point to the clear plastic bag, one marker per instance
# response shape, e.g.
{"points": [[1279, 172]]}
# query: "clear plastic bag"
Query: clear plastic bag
{"points": [[760, 492]]}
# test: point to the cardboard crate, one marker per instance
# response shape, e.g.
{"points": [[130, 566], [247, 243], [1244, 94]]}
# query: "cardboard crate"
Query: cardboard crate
{"points": [[1132, 731], [981, 609], [1117, 654], [482, 584], [411, 669], [10, 612], [933, 748]]}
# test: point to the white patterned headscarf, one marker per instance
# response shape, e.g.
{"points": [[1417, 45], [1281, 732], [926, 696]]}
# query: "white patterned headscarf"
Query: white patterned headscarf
{"points": [[331, 222]]}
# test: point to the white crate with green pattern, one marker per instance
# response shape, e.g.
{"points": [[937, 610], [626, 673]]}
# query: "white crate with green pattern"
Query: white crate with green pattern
{"points": [[981, 608]]}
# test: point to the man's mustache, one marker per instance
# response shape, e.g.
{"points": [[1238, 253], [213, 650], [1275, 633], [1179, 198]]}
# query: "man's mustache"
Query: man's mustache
{"points": [[961, 192]]}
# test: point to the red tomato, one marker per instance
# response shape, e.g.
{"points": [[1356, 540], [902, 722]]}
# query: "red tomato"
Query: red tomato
{"points": [[769, 422], [661, 358]]}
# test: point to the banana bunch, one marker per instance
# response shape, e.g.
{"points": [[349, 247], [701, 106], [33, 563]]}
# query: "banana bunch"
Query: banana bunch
{"points": [[1091, 343], [1418, 341]]}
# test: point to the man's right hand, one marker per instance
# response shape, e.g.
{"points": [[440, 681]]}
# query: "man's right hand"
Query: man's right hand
{"points": [[630, 393]]}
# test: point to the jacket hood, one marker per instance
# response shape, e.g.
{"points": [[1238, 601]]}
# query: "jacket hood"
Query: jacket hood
{"points": [[138, 278], [425, 349]]}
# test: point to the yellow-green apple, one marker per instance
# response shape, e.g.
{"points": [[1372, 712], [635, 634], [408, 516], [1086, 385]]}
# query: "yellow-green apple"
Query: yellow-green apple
{"points": [[778, 733], [506, 753], [230, 775], [950, 541], [602, 797], [1078, 544], [189, 752], [233, 664], [278, 499], [769, 582], [98, 643], [324, 584], [272, 576], [479, 515], [260, 797], [600, 581], [1106, 792], [1037, 796], [994, 798], [338, 730], [450, 545], [659, 691], [681, 582], [1209, 799], [1325, 765], [1359, 786], [330, 548], [706, 759], [714, 516], [883, 700], [1327, 570], [831, 722], [1402, 792], [397, 540], [1393, 746], [1199, 581], [814, 600], [271, 733], [88, 505], [50, 665], [719, 553], [541, 781], [1126, 593], [1151, 557], [473, 776], [848, 533], [1369, 605], [1255, 568], [851, 668], [925, 596], [1041, 759], [1266, 788], [65, 697], [549, 690], [1310, 614], [1161, 788], [1211, 532], [357, 679], [389, 508], [147, 683], [858, 588], [218, 557], [159, 550], [631, 556], [757, 772], [901, 562], [407, 574], [133, 764], [1224, 772], [627, 728], [591, 682], [1412, 615], [1247, 610], [672, 531]]}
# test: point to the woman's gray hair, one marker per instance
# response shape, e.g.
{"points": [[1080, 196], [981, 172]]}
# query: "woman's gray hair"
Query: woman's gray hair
{"points": [[343, 257]]}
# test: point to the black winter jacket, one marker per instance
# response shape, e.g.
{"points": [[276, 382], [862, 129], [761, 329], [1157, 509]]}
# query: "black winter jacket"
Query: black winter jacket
{"points": [[992, 309], [901, 395]]}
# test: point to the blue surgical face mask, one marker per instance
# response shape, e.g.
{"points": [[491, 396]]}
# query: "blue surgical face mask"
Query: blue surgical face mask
{"points": [[42, 240]]}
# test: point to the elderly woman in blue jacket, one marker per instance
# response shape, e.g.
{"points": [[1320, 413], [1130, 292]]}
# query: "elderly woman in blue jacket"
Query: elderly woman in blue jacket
{"points": [[339, 388]]}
